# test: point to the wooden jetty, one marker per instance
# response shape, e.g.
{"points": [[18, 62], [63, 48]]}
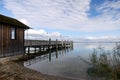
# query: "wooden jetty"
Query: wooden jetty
{"points": [[43, 45]]}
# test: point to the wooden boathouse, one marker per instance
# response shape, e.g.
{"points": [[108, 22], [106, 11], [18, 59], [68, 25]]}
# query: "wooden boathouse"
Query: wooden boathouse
{"points": [[11, 36]]}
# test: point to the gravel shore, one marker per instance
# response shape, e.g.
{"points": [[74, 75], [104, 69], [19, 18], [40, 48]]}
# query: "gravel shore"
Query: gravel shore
{"points": [[11, 70]]}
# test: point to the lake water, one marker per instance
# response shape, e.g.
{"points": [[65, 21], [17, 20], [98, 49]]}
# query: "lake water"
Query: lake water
{"points": [[70, 63]]}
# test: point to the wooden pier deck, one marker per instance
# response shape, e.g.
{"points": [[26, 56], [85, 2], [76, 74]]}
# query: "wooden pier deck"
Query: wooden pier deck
{"points": [[43, 45]]}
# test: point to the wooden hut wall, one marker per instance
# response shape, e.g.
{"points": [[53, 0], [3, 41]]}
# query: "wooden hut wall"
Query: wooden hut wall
{"points": [[11, 46], [0, 39]]}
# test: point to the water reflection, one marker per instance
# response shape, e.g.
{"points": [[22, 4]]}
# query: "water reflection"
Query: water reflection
{"points": [[67, 63], [48, 56]]}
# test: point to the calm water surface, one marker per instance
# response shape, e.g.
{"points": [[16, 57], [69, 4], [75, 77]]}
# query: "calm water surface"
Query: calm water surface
{"points": [[70, 63]]}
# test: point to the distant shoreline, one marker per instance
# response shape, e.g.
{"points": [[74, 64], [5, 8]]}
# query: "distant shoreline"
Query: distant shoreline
{"points": [[95, 42]]}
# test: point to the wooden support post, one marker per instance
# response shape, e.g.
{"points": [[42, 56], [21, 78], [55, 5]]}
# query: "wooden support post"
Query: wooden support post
{"points": [[56, 53], [24, 49], [49, 56], [49, 45], [62, 44], [56, 44], [35, 50], [43, 48], [40, 49], [65, 44], [28, 49]]}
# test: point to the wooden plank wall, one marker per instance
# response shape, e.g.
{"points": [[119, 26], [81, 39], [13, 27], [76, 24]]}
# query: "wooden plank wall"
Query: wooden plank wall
{"points": [[11, 46], [0, 39]]}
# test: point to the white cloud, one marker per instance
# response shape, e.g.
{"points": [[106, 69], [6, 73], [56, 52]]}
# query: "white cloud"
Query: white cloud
{"points": [[109, 6], [110, 10], [57, 14], [66, 14], [41, 34]]}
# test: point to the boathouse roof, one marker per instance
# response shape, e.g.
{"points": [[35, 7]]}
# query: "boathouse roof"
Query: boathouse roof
{"points": [[12, 22]]}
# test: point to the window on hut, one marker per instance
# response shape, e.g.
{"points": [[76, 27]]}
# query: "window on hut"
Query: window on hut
{"points": [[13, 33]]}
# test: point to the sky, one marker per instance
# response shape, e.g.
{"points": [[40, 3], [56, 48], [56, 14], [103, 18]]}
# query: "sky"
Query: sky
{"points": [[66, 19]]}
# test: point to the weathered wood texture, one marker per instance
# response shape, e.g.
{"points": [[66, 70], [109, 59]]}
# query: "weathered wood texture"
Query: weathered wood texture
{"points": [[10, 46]]}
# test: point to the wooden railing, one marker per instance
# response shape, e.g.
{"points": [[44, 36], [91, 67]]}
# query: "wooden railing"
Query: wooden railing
{"points": [[44, 45], [46, 42]]}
